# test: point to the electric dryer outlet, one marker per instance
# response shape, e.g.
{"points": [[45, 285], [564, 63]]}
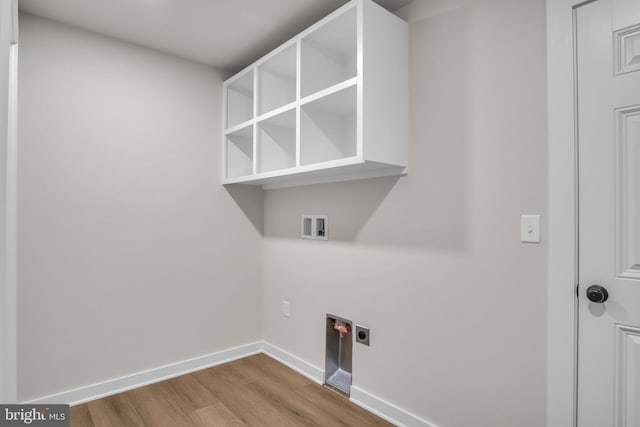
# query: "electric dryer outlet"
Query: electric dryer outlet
{"points": [[362, 335]]}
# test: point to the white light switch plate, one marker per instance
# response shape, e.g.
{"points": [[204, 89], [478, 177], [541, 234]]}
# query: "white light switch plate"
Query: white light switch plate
{"points": [[530, 228], [285, 309]]}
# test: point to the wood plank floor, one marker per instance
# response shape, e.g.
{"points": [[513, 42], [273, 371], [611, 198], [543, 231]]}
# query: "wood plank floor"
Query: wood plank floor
{"points": [[255, 391]]}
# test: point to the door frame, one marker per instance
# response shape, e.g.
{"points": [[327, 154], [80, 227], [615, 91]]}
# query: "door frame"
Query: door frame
{"points": [[8, 250], [562, 263]]}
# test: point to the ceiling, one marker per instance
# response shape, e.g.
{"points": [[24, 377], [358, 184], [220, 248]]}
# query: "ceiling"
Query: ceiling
{"points": [[226, 34]]}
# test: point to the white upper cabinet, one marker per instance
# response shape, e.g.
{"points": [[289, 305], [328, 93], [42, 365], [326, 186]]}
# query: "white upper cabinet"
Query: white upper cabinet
{"points": [[329, 105]]}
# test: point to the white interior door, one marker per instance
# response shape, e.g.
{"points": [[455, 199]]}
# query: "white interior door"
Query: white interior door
{"points": [[608, 76]]}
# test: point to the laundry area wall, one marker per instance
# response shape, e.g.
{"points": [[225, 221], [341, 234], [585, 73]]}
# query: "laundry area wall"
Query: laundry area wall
{"points": [[432, 262], [132, 255]]}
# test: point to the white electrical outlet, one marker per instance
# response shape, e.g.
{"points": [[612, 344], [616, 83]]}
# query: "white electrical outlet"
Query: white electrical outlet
{"points": [[285, 309]]}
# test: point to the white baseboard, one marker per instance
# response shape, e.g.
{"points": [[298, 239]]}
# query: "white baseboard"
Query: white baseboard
{"points": [[139, 379], [371, 403], [294, 362], [386, 410]]}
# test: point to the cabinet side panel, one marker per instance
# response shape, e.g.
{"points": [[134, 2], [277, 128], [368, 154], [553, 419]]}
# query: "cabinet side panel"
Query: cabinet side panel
{"points": [[385, 86], [223, 138]]}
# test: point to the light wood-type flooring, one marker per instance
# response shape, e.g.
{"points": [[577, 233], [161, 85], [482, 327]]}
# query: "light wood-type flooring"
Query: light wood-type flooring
{"points": [[254, 391]]}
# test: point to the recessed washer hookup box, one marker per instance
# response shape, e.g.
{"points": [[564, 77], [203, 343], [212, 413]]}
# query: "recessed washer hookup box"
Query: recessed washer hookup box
{"points": [[339, 352]]}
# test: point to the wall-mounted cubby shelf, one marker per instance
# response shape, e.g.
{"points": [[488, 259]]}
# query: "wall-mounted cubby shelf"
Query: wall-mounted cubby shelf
{"points": [[331, 104]]}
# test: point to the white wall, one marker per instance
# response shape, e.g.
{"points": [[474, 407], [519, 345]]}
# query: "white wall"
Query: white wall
{"points": [[131, 254], [432, 262]]}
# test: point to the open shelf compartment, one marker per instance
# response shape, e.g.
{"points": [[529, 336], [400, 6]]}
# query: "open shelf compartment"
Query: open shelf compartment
{"points": [[328, 127], [277, 142], [240, 153], [277, 80], [329, 54], [240, 100]]}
